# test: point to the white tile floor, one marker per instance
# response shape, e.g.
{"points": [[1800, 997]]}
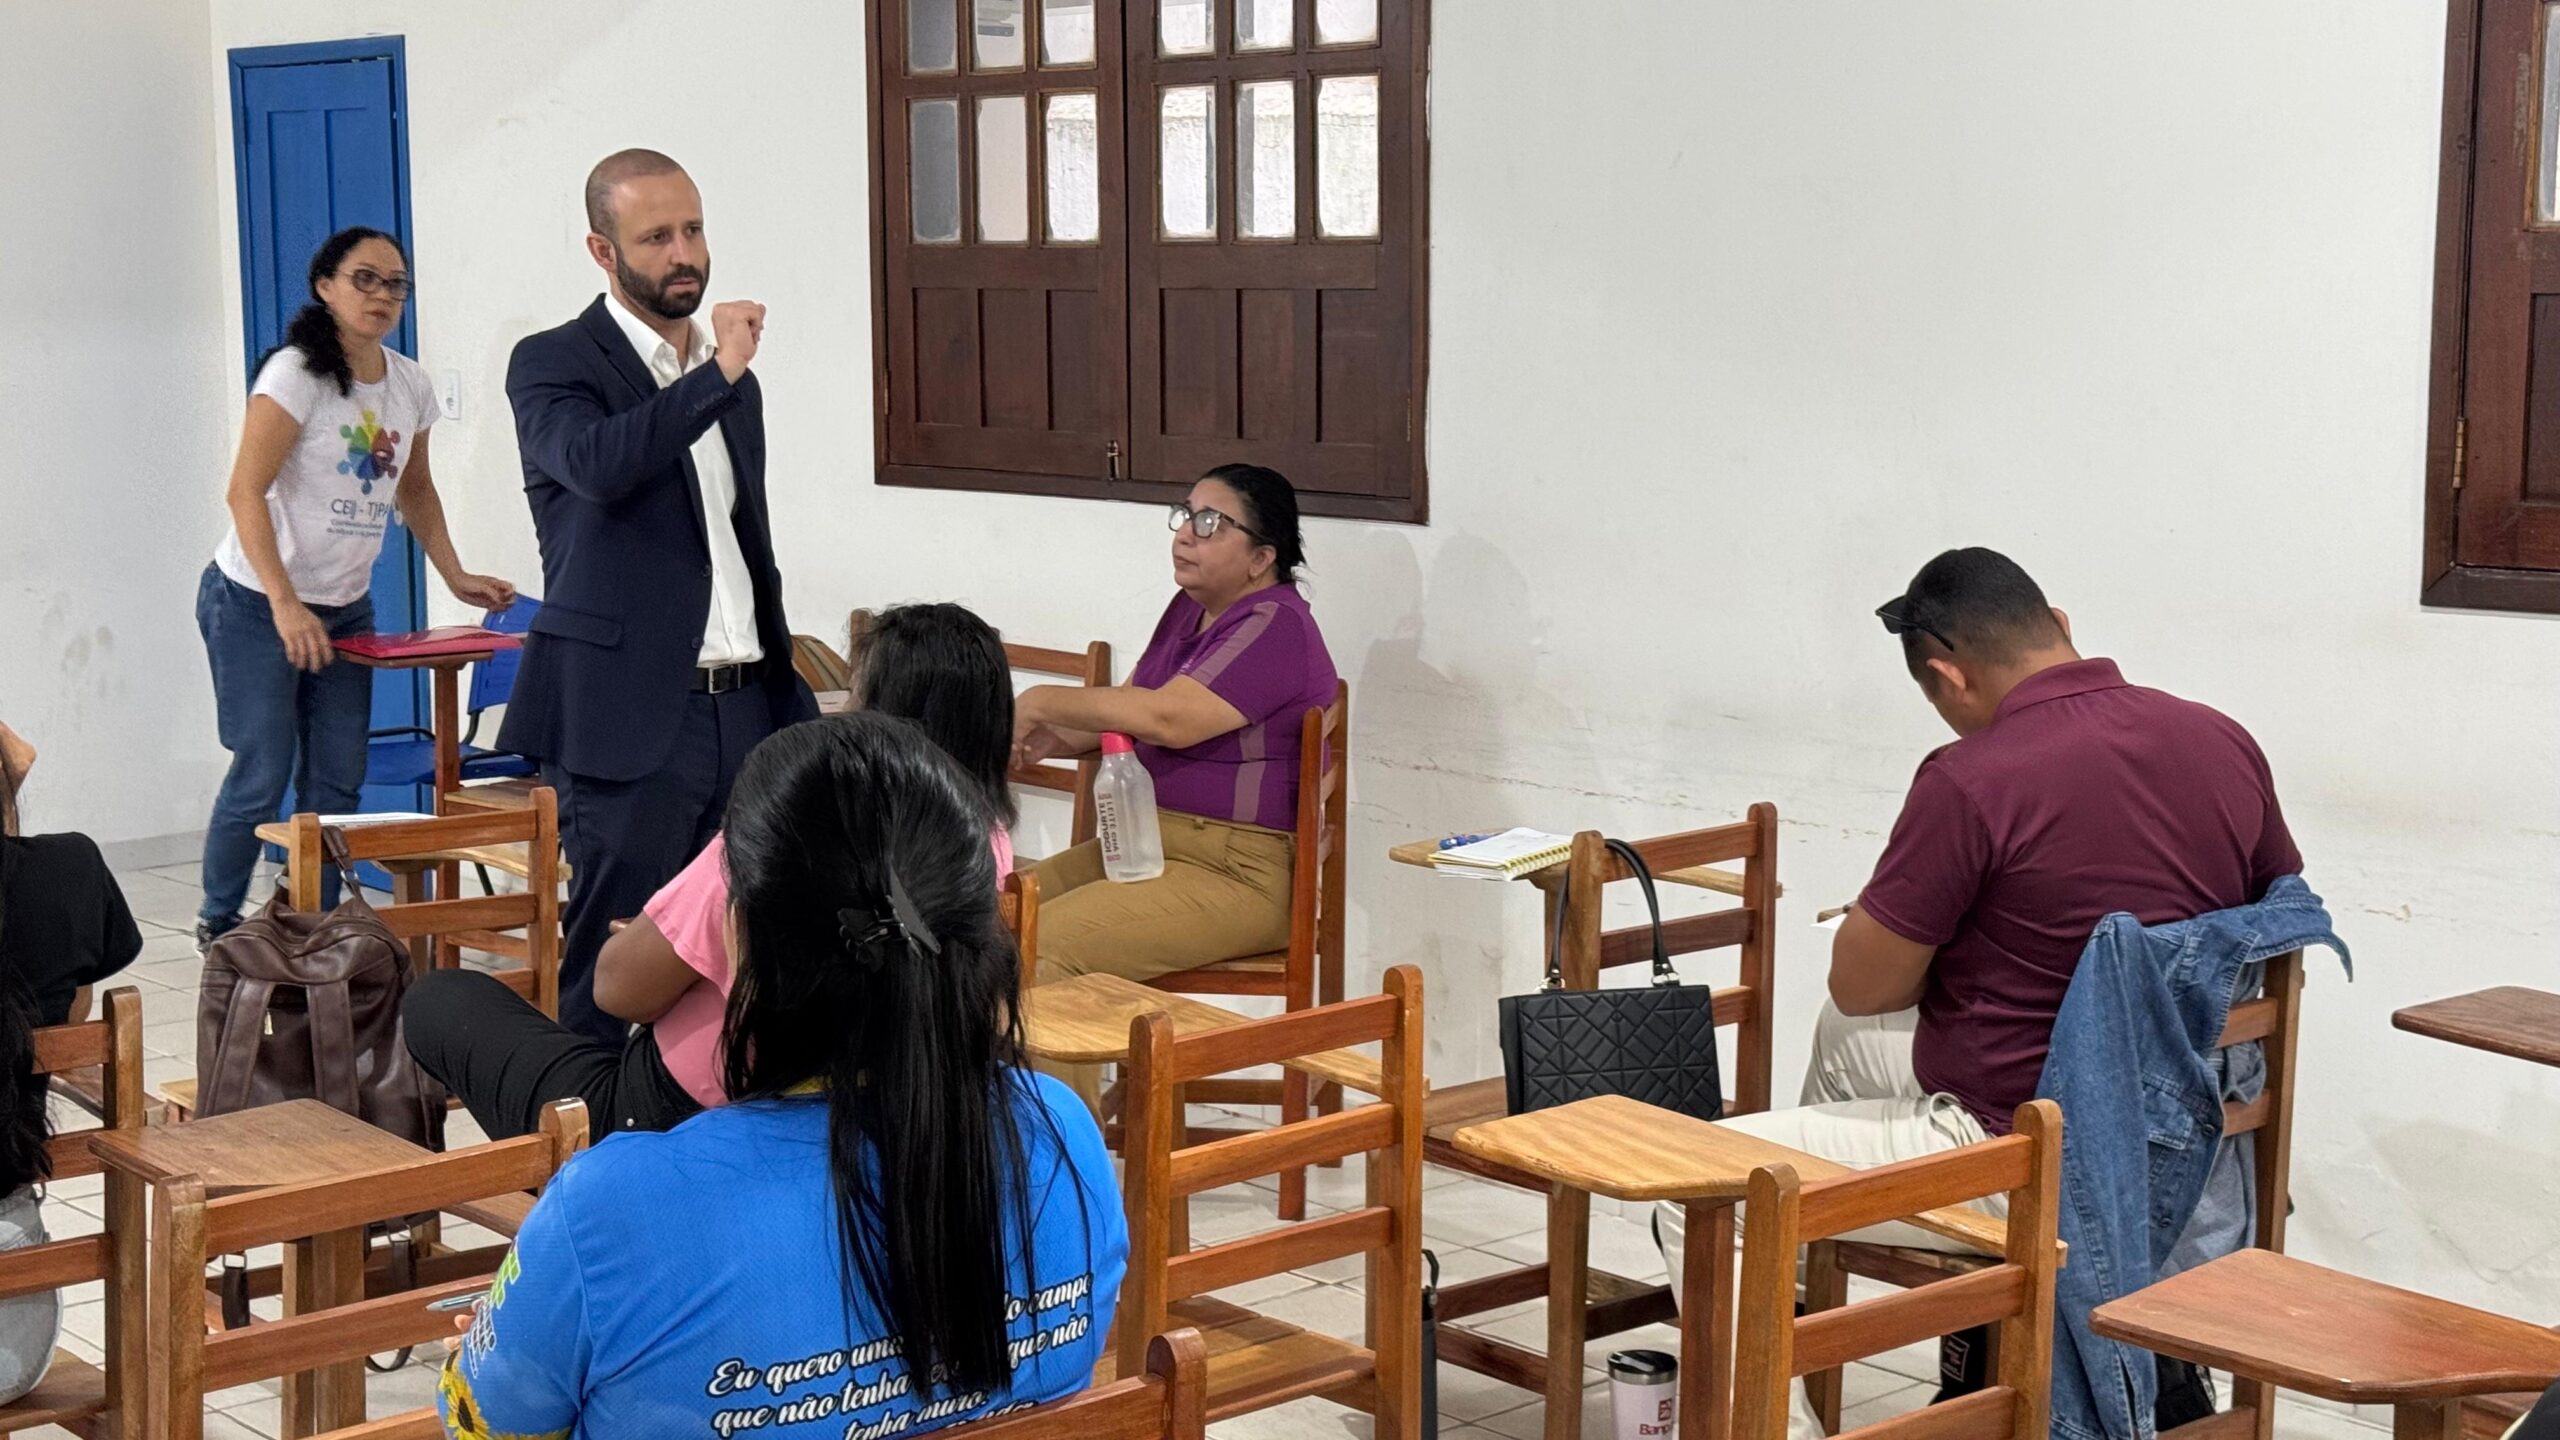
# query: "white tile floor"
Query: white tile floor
{"points": [[1475, 1228]]}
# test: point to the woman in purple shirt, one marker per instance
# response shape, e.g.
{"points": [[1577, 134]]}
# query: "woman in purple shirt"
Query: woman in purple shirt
{"points": [[1214, 705]]}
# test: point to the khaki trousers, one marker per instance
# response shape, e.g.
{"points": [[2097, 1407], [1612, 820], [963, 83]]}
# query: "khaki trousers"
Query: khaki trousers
{"points": [[1224, 895]]}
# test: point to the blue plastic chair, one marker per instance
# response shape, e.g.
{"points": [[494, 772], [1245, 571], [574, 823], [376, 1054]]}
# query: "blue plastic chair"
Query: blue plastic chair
{"points": [[407, 755]]}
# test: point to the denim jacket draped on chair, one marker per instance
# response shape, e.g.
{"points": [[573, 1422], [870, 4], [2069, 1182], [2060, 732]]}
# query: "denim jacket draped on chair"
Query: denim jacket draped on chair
{"points": [[2147, 1184]]}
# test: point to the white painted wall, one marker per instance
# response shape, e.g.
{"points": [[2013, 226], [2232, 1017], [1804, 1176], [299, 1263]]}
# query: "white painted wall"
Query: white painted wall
{"points": [[111, 473], [1724, 348]]}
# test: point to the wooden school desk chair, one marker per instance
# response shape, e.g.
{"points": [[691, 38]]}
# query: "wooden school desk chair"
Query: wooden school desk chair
{"points": [[2283, 1323], [187, 1227], [88, 1400], [1615, 1303], [1164, 1403], [1309, 971], [2014, 1294], [438, 930], [2273, 1021], [1255, 1361]]}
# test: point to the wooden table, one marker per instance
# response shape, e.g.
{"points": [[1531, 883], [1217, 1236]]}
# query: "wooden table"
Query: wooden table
{"points": [[1696, 877], [288, 1144], [2298, 1326], [1085, 1021], [2510, 1020], [1628, 1150]]}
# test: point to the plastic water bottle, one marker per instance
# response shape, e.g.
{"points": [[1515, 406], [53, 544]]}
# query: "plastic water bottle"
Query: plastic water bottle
{"points": [[1124, 814]]}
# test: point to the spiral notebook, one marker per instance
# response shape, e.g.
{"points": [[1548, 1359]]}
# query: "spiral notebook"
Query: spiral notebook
{"points": [[1506, 856]]}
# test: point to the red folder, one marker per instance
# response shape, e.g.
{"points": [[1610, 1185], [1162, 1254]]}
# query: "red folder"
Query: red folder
{"points": [[418, 644]]}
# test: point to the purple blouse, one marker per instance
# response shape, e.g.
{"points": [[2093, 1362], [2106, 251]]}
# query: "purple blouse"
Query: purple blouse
{"points": [[1265, 657]]}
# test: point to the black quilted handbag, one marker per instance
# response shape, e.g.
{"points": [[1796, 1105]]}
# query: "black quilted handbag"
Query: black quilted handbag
{"points": [[1656, 1044]]}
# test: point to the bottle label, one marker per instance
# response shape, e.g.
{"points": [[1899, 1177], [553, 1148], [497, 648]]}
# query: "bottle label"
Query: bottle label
{"points": [[1107, 826]]}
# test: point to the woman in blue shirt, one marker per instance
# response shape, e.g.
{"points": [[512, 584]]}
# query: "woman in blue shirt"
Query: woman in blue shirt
{"points": [[894, 1226]]}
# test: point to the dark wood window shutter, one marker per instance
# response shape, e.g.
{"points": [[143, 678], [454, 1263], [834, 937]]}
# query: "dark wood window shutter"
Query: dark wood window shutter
{"points": [[2493, 481], [1006, 358], [1281, 323]]}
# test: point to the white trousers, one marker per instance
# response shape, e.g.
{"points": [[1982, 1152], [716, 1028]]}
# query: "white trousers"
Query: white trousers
{"points": [[1861, 1107]]}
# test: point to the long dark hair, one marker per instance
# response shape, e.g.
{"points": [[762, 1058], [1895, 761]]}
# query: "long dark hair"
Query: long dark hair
{"points": [[1274, 503], [313, 330], [871, 961], [24, 1124], [944, 668]]}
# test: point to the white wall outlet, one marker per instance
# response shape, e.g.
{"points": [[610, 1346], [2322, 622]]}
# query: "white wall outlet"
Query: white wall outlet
{"points": [[449, 393]]}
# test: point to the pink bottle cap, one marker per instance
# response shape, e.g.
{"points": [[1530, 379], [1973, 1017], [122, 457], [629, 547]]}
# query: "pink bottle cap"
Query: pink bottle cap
{"points": [[1115, 743]]}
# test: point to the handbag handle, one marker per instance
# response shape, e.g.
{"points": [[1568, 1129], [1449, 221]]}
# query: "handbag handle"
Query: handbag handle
{"points": [[333, 846], [1663, 974]]}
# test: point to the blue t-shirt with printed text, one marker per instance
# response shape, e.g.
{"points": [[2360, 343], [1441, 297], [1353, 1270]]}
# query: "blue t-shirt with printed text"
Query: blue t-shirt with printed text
{"points": [[690, 1284]]}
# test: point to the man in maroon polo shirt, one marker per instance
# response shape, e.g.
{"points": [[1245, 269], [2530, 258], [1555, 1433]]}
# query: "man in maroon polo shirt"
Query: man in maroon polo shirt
{"points": [[2068, 795]]}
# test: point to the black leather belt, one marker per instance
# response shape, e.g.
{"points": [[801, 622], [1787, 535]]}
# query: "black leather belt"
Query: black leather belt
{"points": [[721, 679]]}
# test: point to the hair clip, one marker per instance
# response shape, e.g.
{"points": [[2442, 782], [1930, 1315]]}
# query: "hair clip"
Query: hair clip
{"points": [[910, 923]]}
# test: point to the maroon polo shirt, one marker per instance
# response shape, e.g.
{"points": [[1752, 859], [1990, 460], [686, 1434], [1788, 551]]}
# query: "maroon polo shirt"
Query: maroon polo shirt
{"points": [[2085, 796]]}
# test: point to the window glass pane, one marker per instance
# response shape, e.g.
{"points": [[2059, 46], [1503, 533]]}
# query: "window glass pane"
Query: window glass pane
{"points": [[1267, 159], [1187, 170], [933, 169], [1004, 169], [1066, 32], [1183, 27], [1074, 167], [2547, 164], [999, 34], [1346, 22], [1265, 24], [1347, 155], [933, 37]]}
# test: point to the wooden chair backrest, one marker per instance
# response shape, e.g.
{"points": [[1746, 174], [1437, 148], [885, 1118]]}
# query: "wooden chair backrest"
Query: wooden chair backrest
{"points": [[113, 1044], [1324, 811], [478, 920], [1747, 1004], [2274, 1019], [1168, 1401], [1018, 905], [186, 1363], [819, 665], [1386, 1231], [2015, 1296]]}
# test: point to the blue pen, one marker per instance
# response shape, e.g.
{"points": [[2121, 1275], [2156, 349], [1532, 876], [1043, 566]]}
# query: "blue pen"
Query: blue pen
{"points": [[1454, 841]]}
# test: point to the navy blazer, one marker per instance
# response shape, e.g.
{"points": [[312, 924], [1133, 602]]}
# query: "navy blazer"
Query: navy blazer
{"points": [[626, 569]]}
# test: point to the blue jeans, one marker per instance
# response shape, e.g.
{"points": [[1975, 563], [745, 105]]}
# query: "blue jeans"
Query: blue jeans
{"points": [[282, 726]]}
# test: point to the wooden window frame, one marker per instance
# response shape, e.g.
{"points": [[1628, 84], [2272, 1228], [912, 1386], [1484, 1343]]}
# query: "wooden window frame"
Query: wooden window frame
{"points": [[1403, 245], [2459, 455]]}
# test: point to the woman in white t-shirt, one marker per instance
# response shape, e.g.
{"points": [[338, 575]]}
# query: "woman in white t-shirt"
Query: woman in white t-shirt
{"points": [[335, 441]]}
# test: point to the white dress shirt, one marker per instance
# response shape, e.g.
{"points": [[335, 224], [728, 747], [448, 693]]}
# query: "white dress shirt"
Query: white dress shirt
{"points": [[729, 631]]}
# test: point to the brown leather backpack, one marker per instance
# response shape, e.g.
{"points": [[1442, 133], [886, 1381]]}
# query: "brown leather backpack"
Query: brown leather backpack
{"points": [[297, 1006]]}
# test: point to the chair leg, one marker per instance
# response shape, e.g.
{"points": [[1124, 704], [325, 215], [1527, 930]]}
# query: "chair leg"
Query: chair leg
{"points": [[1826, 1287], [1293, 1108], [2427, 1420], [2259, 1398]]}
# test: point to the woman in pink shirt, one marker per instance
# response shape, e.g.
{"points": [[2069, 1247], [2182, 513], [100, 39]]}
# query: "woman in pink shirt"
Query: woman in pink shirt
{"points": [[667, 971]]}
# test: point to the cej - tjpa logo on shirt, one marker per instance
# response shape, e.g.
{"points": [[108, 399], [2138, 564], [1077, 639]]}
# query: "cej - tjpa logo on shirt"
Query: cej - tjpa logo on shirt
{"points": [[371, 451]]}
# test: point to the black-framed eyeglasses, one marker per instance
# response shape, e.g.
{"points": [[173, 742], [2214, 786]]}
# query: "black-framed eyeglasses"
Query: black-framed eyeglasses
{"points": [[374, 282], [1898, 620], [1205, 522]]}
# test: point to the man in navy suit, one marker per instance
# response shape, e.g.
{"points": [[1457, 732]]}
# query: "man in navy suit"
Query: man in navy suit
{"points": [[660, 656]]}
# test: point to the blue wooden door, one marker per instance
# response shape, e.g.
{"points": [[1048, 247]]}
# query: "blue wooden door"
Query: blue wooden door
{"points": [[318, 145]]}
